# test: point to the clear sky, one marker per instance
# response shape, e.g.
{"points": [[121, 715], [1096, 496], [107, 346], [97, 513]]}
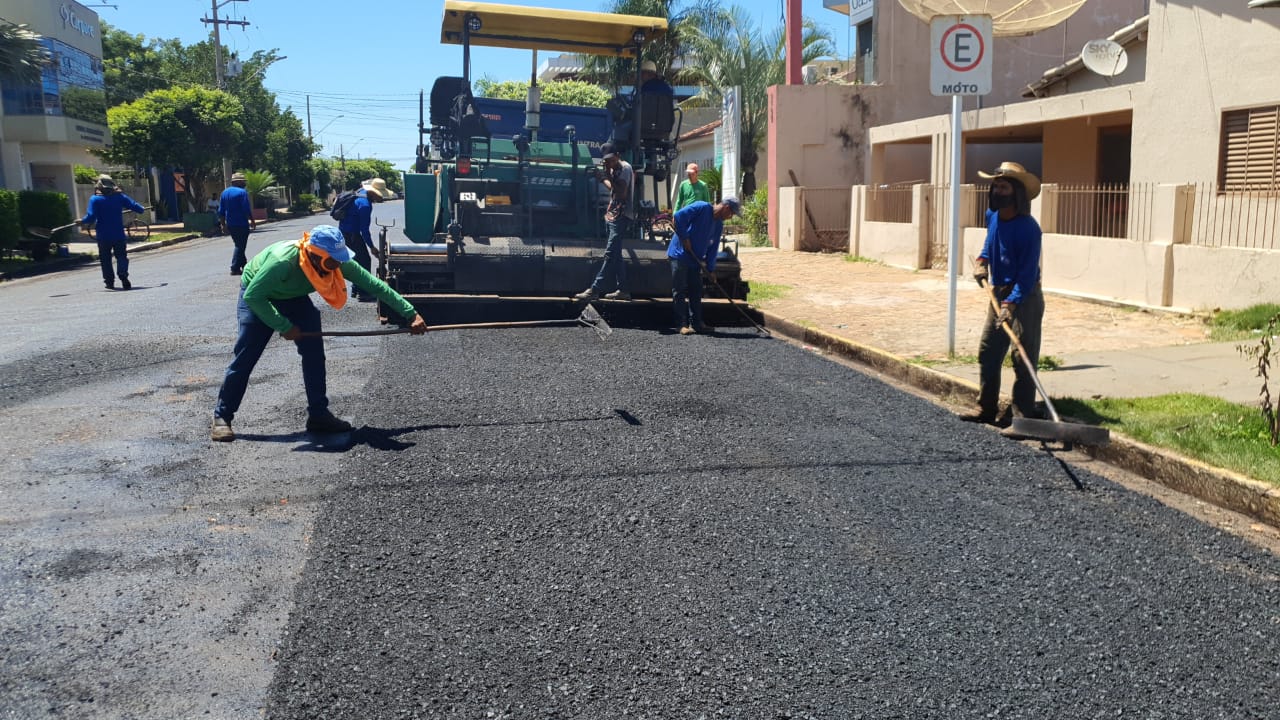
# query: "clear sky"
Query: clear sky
{"points": [[366, 62]]}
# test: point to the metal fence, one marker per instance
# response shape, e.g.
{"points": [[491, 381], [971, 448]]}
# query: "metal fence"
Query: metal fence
{"points": [[889, 203], [1246, 219], [1116, 210], [826, 212]]}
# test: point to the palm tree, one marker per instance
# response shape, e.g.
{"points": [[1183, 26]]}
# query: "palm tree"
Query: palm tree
{"points": [[22, 55], [664, 52], [726, 50]]}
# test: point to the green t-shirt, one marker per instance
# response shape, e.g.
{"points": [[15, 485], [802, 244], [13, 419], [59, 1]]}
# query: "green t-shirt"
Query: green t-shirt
{"points": [[692, 192], [274, 274]]}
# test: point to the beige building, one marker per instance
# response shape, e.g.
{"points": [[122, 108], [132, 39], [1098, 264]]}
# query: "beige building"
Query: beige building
{"points": [[1161, 181], [47, 128]]}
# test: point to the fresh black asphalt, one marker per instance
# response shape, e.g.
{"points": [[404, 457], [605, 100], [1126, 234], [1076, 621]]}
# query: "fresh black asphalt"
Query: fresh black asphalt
{"points": [[537, 524]]}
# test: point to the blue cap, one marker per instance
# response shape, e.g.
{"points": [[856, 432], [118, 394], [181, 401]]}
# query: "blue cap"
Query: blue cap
{"points": [[329, 239], [733, 204]]}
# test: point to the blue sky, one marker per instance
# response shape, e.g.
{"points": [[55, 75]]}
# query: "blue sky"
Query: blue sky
{"points": [[367, 61]]}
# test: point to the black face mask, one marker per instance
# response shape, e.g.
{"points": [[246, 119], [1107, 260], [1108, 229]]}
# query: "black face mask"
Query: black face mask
{"points": [[999, 202]]}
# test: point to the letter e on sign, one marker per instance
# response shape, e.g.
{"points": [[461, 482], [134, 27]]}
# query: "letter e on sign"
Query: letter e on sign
{"points": [[960, 55]]}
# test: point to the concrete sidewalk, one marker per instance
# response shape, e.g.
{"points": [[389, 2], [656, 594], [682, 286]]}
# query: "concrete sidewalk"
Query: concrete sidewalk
{"points": [[895, 321]]}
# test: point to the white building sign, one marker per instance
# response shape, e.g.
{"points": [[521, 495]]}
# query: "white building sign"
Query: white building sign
{"points": [[861, 11]]}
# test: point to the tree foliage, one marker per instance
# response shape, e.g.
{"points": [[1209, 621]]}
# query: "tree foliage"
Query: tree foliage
{"points": [[726, 50], [22, 54], [357, 171], [190, 128], [560, 92], [667, 52], [131, 66]]}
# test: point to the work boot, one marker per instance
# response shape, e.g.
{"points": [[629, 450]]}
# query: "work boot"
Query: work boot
{"points": [[618, 295], [124, 283], [221, 431], [111, 284], [686, 330], [588, 295], [980, 415], [327, 424], [704, 329]]}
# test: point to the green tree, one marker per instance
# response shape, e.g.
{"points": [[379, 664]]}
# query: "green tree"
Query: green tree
{"points": [[131, 66], [256, 183], [22, 54], [666, 52], [727, 50], [191, 128], [357, 171], [288, 153], [560, 92], [322, 169]]}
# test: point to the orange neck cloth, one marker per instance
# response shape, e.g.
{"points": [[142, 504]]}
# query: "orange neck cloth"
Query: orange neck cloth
{"points": [[330, 284]]}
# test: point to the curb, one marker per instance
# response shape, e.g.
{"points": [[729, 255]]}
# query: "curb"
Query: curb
{"points": [[76, 261], [1216, 486]]}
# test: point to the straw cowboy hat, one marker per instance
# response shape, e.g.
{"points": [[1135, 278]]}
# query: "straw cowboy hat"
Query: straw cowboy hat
{"points": [[1014, 171], [378, 185], [649, 66]]}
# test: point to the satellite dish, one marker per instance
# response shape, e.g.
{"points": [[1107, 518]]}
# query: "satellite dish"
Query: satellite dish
{"points": [[1008, 17], [1105, 57]]}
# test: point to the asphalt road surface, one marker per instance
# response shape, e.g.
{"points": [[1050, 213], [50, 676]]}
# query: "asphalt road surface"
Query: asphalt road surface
{"points": [[536, 523]]}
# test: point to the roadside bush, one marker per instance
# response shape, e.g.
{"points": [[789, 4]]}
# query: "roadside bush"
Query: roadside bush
{"points": [[10, 227], [305, 203], [85, 175], [755, 215]]}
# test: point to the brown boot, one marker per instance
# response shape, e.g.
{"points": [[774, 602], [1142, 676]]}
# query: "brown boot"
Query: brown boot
{"points": [[221, 431], [980, 415]]}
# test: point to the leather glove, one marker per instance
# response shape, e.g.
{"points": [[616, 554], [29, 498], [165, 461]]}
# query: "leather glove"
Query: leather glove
{"points": [[981, 273], [1006, 314]]}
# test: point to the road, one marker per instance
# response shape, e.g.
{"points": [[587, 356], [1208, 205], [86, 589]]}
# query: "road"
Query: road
{"points": [[536, 523]]}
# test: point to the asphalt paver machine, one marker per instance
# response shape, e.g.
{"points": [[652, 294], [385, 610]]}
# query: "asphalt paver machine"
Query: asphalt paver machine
{"points": [[522, 216]]}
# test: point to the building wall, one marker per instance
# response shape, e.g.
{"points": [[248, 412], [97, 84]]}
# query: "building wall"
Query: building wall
{"points": [[38, 151], [1203, 58]]}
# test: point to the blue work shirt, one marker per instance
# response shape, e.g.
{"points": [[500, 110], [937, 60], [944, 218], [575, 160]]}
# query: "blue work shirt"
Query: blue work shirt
{"points": [[107, 213], [358, 217], [696, 223], [234, 207], [1012, 252], [657, 85]]}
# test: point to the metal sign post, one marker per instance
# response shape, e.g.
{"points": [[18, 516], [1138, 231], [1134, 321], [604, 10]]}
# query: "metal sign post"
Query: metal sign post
{"points": [[959, 64]]}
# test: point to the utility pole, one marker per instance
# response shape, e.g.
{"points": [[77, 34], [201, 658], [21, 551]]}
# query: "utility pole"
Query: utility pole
{"points": [[217, 68], [309, 118]]}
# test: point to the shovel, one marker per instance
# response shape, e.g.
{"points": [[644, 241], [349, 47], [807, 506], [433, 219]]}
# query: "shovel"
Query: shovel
{"points": [[45, 234], [1054, 429], [589, 317]]}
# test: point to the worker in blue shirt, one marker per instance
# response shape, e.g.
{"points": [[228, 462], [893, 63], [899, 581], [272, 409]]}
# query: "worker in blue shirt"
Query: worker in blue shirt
{"points": [[236, 215], [355, 228], [1010, 261], [651, 81], [692, 251], [106, 212]]}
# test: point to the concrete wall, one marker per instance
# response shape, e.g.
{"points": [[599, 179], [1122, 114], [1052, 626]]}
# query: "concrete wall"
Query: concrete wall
{"points": [[1202, 58], [1166, 272]]}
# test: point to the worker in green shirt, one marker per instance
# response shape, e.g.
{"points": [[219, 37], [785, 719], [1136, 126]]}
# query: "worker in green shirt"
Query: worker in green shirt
{"points": [[275, 298], [692, 190]]}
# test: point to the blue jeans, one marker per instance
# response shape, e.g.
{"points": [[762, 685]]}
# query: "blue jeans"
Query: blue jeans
{"points": [[613, 256], [252, 340], [686, 293], [240, 238], [119, 248]]}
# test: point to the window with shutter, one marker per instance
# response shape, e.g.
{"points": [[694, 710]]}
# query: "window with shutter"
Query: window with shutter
{"points": [[1250, 156]]}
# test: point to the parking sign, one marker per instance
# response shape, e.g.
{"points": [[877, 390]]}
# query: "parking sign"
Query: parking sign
{"points": [[960, 55]]}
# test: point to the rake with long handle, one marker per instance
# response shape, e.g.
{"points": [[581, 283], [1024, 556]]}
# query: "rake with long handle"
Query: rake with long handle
{"points": [[589, 317], [1054, 429]]}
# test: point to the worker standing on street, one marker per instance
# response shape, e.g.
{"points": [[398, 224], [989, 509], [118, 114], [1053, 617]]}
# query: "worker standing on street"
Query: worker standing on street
{"points": [[106, 212], [692, 251], [274, 297], [618, 177], [235, 212], [692, 189], [355, 228], [1010, 261]]}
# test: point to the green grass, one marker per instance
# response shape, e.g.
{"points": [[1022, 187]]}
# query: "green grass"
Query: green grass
{"points": [[1212, 430], [761, 291], [1241, 324], [860, 259], [1046, 362]]}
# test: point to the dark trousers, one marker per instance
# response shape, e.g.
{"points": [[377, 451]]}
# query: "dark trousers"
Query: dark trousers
{"points": [[613, 266], [118, 248], [239, 238], [994, 346], [686, 294], [359, 252], [252, 340]]}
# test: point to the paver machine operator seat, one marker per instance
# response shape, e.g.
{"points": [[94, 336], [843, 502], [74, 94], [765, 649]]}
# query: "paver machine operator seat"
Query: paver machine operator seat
{"points": [[455, 122]]}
